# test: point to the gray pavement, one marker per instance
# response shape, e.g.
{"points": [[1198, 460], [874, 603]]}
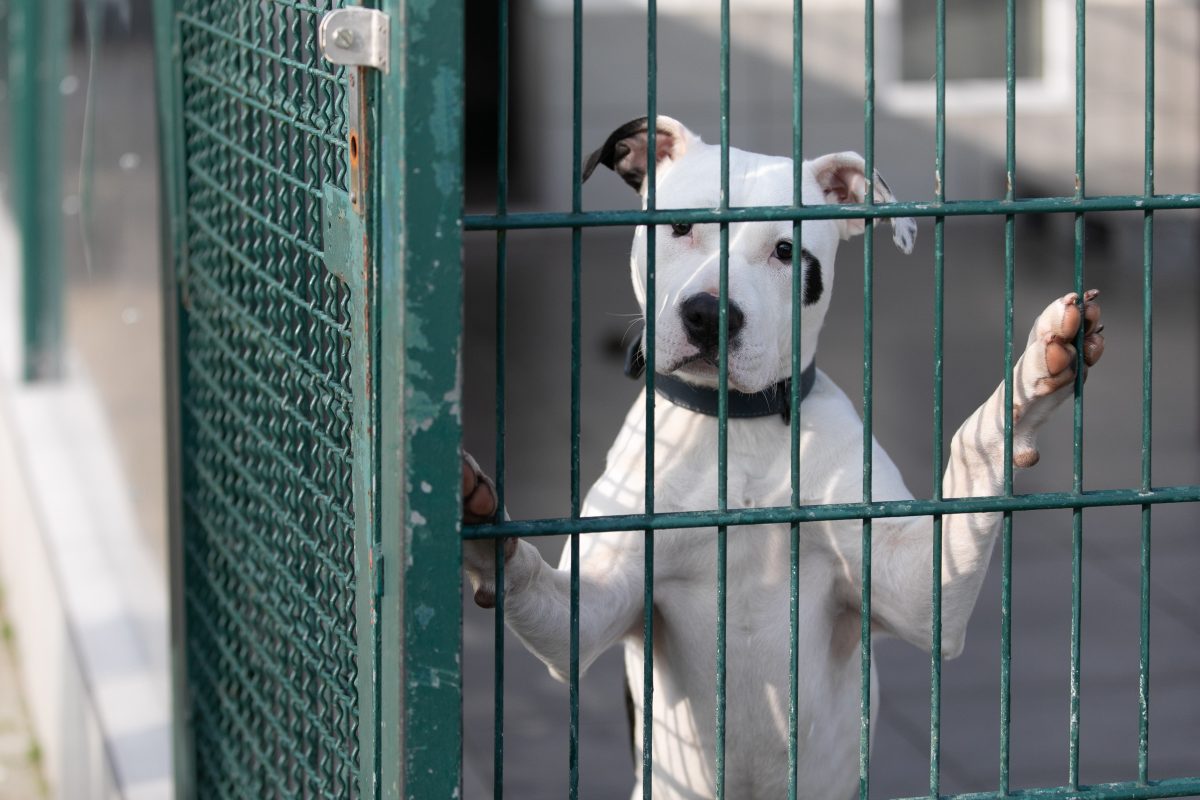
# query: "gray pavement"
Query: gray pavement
{"points": [[113, 311]]}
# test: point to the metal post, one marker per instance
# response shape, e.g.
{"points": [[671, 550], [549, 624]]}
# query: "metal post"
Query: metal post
{"points": [[37, 50], [416, 223]]}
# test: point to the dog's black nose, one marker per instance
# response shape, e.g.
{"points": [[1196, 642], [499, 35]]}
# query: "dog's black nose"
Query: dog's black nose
{"points": [[701, 320]]}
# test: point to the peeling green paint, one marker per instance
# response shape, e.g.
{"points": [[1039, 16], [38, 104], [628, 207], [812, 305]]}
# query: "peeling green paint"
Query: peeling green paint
{"points": [[420, 8], [446, 117], [424, 615]]}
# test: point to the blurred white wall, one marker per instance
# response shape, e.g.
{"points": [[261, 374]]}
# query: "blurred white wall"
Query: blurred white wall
{"points": [[614, 79]]}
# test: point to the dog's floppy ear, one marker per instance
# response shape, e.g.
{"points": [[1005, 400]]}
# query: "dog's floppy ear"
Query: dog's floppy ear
{"points": [[842, 177], [625, 151]]}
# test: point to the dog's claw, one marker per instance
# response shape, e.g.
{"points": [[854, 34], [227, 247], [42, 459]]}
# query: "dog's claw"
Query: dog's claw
{"points": [[1093, 348]]}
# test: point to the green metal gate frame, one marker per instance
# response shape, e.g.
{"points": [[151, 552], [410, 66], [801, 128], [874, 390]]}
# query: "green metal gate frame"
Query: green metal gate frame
{"points": [[1145, 496], [312, 384]]}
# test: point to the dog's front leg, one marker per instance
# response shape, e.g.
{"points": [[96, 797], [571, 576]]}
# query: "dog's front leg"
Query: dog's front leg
{"points": [[1043, 378], [537, 597]]}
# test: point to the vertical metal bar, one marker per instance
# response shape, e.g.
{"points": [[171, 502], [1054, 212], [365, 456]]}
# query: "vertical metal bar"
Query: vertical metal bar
{"points": [[723, 406], [1077, 480], [356, 269], [1010, 166], [939, 276], [798, 267], [416, 228], [648, 339], [1147, 407], [864, 742], [38, 41], [576, 311], [174, 234], [502, 29]]}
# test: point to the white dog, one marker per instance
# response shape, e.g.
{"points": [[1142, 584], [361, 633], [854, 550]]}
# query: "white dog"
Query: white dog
{"points": [[761, 259]]}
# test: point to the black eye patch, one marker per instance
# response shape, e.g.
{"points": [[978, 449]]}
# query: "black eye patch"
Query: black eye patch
{"points": [[814, 286]]}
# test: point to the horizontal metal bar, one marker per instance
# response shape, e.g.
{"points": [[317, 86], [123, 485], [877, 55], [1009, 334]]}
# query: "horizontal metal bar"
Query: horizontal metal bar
{"points": [[955, 208], [1174, 787], [835, 511]]}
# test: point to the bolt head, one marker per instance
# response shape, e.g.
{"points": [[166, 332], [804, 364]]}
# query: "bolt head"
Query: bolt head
{"points": [[344, 38]]}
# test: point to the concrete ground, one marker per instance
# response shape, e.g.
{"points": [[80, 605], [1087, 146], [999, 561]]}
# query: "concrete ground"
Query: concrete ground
{"points": [[20, 774]]}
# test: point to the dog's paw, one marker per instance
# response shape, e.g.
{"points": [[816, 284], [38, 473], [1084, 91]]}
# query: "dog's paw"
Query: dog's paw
{"points": [[1045, 373], [1051, 347], [480, 504], [904, 233]]}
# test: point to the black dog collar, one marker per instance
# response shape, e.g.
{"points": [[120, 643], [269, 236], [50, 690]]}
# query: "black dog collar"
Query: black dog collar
{"points": [[775, 400]]}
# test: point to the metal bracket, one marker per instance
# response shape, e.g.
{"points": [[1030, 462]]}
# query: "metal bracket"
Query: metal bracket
{"points": [[355, 37]]}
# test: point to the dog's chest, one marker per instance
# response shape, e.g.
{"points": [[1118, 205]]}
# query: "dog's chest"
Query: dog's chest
{"points": [[758, 462], [687, 474], [758, 582]]}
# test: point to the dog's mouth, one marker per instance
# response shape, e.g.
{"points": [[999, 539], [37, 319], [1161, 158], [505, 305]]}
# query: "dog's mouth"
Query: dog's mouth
{"points": [[704, 362], [702, 368]]}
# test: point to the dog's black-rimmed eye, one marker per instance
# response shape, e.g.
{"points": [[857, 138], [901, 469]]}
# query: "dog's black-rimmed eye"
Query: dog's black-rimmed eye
{"points": [[783, 251], [681, 229]]}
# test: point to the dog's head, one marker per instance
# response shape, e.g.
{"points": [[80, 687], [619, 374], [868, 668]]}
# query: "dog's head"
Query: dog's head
{"points": [[762, 255]]}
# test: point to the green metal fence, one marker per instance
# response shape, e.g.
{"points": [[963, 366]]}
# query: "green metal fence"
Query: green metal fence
{"points": [[1009, 207], [313, 295], [316, 606]]}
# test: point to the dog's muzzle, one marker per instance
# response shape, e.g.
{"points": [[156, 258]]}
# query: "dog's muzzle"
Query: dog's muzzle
{"points": [[701, 315]]}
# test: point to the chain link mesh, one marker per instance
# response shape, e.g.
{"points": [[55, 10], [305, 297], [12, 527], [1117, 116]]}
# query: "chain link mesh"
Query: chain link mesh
{"points": [[268, 518]]}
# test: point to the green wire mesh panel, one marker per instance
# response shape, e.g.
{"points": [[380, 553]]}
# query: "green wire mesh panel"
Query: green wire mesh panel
{"points": [[315, 616], [268, 522]]}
